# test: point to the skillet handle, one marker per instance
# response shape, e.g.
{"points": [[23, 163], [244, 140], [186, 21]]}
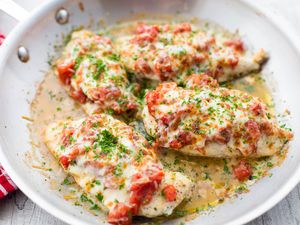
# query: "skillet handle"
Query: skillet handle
{"points": [[14, 10]]}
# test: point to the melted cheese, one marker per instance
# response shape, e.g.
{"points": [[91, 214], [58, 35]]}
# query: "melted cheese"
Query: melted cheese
{"points": [[212, 121], [173, 51], [106, 169]]}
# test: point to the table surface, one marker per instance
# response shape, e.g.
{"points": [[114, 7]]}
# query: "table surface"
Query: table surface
{"points": [[17, 209]]}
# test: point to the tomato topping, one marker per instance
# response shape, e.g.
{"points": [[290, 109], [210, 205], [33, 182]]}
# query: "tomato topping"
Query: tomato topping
{"points": [[175, 144], [184, 138], [242, 171], [65, 72], [132, 105], [120, 214], [101, 39], [183, 27], [145, 33], [232, 62], [252, 131], [152, 99], [142, 66], [103, 94], [166, 119], [150, 29], [163, 67], [201, 80], [236, 44], [256, 108], [223, 137], [67, 133], [78, 95], [65, 161], [170, 193], [144, 185]]}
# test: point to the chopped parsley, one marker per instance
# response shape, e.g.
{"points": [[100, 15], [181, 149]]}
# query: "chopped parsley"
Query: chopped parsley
{"points": [[100, 68], [95, 207], [67, 181], [84, 198], [99, 197], [78, 61], [114, 57], [121, 186], [106, 141], [139, 155], [118, 170], [226, 169]]}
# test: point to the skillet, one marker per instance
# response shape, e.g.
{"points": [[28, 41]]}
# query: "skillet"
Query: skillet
{"points": [[18, 82]]}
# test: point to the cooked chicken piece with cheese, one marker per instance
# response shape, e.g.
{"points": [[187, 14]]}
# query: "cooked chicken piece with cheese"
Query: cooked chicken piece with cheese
{"points": [[173, 51], [117, 166], [92, 74], [207, 120]]}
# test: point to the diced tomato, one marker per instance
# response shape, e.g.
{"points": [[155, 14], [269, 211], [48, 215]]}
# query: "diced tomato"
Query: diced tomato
{"points": [[252, 131], [143, 28], [78, 95], [65, 161], [163, 67], [166, 119], [76, 150], [66, 71], [256, 108], [152, 98], [183, 27], [120, 215], [166, 27], [201, 80], [142, 66], [145, 33], [238, 45], [184, 138], [223, 137], [103, 94], [102, 39], [67, 133], [232, 62], [144, 184], [242, 171], [170, 193], [132, 105], [266, 128], [175, 144], [203, 42], [198, 58]]}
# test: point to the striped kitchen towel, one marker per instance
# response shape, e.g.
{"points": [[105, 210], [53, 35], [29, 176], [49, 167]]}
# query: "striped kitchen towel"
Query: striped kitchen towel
{"points": [[6, 184]]}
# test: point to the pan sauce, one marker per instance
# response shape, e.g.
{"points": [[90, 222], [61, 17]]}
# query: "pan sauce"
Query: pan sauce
{"points": [[213, 178]]}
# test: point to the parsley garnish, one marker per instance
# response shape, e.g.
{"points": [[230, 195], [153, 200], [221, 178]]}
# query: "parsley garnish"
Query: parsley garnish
{"points": [[106, 141], [78, 60], [99, 197], [118, 170], [114, 57]]}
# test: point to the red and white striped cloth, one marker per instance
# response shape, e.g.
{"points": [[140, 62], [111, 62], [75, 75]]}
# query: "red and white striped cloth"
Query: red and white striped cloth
{"points": [[6, 184]]}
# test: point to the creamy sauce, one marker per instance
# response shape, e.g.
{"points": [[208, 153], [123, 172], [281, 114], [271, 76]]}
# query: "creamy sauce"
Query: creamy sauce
{"points": [[213, 178]]}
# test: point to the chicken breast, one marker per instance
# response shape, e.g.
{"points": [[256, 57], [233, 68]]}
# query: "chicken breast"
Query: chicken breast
{"points": [[171, 52], [207, 120], [117, 166], [92, 73]]}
